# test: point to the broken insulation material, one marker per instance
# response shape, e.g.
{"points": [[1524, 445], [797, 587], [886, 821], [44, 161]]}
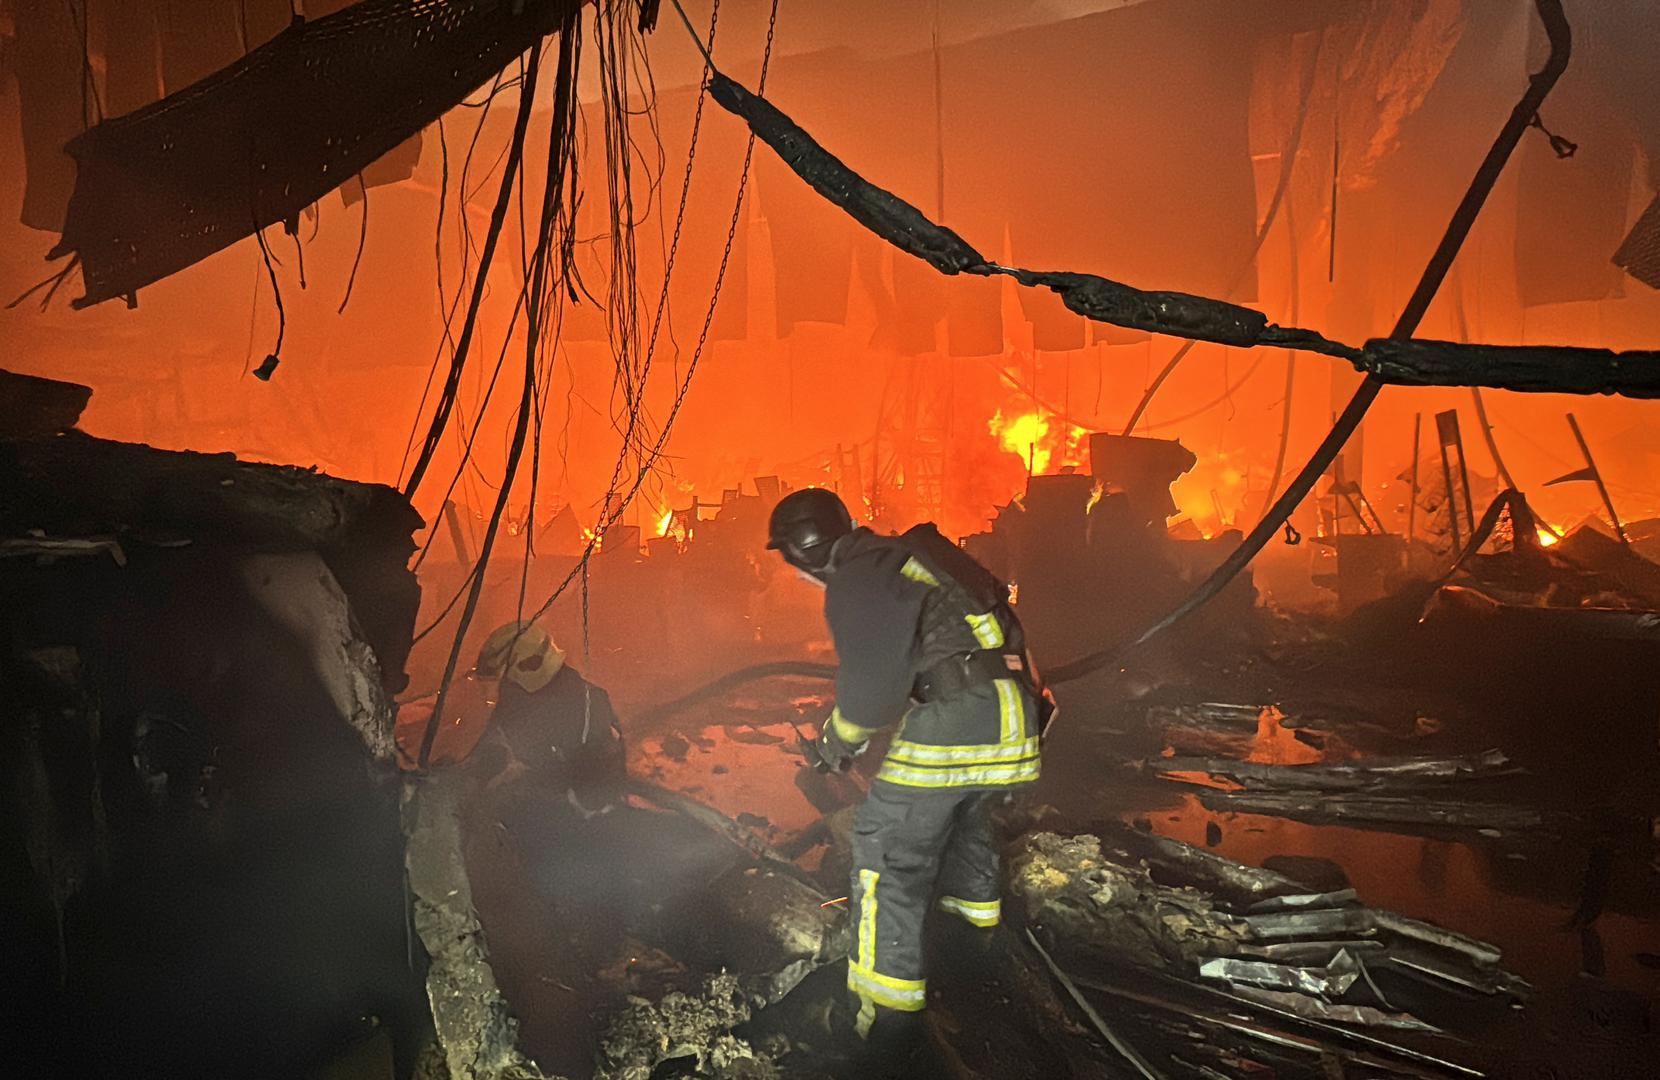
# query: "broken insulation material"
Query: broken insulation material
{"points": [[681, 1026]]}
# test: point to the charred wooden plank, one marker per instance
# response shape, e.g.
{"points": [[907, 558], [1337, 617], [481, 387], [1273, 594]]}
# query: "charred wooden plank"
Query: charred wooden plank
{"points": [[1381, 810], [1315, 1009], [1173, 863], [1410, 771]]}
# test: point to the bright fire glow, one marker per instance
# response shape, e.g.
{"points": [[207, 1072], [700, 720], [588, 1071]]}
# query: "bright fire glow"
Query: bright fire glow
{"points": [[1214, 487], [1037, 437], [1546, 537], [1023, 436], [666, 522]]}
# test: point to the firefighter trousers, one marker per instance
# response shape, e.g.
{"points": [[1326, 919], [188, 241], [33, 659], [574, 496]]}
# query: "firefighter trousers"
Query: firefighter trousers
{"points": [[911, 847]]}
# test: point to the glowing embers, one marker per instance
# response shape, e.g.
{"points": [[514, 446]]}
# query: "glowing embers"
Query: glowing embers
{"points": [[1546, 537], [1038, 438], [1214, 492]]}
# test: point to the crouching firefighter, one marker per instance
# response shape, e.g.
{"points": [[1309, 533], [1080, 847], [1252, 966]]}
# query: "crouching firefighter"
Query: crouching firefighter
{"points": [[925, 639]]}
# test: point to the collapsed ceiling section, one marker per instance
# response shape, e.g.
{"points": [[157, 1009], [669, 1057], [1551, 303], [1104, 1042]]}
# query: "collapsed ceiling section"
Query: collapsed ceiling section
{"points": [[252, 145]]}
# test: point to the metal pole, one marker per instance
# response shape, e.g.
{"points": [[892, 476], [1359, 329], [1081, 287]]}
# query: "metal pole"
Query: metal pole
{"points": [[1412, 507], [1464, 477], [1596, 474], [1452, 507], [453, 520]]}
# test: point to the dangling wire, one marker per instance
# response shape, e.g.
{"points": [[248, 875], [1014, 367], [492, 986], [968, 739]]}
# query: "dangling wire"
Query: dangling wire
{"points": [[362, 239], [616, 510], [452, 385], [274, 357], [533, 293]]}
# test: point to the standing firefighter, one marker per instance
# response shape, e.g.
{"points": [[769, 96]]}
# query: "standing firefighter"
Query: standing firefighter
{"points": [[925, 639]]}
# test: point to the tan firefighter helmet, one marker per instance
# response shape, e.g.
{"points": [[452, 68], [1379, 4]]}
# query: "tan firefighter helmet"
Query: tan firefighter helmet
{"points": [[523, 654]]}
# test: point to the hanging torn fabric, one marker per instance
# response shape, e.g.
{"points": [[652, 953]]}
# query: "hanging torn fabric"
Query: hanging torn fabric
{"points": [[49, 66]]}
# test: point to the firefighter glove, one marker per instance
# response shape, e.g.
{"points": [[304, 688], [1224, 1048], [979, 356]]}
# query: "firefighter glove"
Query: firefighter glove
{"points": [[835, 753]]}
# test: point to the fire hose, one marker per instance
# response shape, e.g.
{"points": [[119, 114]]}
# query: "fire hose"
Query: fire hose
{"points": [[1209, 320]]}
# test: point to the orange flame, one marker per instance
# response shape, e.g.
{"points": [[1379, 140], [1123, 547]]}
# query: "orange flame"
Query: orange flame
{"points": [[1036, 437]]}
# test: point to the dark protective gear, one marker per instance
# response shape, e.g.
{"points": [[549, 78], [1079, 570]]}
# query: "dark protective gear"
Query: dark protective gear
{"points": [[909, 847], [906, 609], [565, 736], [926, 639], [805, 526], [956, 673]]}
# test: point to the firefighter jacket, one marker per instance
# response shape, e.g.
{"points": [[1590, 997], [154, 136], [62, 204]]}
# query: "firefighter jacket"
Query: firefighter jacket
{"points": [[900, 608]]}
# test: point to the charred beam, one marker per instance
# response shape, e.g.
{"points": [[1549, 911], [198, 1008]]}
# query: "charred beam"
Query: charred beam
{"points": [[78, 485], [882, 212], [1536, 369]]}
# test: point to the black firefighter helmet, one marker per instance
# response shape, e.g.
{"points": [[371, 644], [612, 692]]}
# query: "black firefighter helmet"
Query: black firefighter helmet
{"points": [[805, 525]]}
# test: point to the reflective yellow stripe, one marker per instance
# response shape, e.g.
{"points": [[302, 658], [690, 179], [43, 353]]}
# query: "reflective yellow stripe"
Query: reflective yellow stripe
{"points": [[874, 988], [910, 753], [847, 731], [978, 912], [867, 1014], [986, 630], [1011, 709], [907, 995], [867, 920], [1019, 772], [917, 572]]}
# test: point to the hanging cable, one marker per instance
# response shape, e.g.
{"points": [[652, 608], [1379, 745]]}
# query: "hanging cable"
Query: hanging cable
{"points": [[616, 511], [362, 239], [1296, 276], [269, 365], [1458, 228], [534, 294], [446, 399]]}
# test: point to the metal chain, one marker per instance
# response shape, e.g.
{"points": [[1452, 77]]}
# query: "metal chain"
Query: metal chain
{"points": [[697, 353]]}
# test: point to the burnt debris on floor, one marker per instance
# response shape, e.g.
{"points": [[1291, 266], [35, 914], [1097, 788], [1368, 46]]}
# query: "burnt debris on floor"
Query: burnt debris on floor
{"points": [[533, 759], [1298, 845]]}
